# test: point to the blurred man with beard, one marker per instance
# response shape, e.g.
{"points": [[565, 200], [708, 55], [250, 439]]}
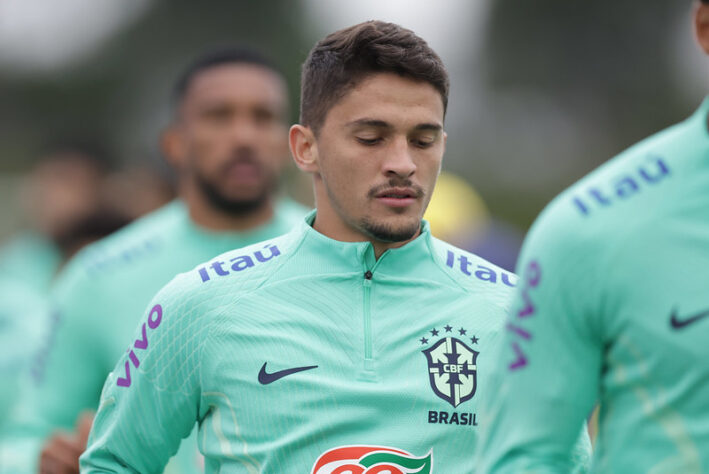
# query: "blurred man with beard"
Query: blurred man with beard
{"points": [[228, 143]]}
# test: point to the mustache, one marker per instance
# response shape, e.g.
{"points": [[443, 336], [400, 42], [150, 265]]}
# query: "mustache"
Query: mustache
{"points": [[242, 155], [397, 183]]}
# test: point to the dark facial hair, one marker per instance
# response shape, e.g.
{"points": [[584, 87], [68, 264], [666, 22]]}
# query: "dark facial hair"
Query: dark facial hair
{"points": [[236, 206]]}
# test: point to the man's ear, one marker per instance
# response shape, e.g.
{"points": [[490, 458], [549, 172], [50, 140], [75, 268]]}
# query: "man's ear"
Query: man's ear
{"points": [[172, 147], [304, 148], [701, 26]]}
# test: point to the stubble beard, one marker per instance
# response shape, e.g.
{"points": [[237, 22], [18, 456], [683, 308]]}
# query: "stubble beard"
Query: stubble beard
{"points": [[385, 232]]}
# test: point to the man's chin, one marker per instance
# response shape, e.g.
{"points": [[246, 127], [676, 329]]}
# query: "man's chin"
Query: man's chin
{"points": [[391, 232], [236, 201], [238, 205]]}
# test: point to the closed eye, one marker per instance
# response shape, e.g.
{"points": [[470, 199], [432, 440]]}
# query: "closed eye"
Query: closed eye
{"points": [[423, 143], [368, 141]]}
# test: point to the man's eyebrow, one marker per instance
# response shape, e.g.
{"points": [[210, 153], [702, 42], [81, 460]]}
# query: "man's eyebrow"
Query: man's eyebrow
{"points": [[365, 122], [434, 127]]}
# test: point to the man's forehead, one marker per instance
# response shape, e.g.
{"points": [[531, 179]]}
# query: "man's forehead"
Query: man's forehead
{"points": [[386, 96], [236, 80]]}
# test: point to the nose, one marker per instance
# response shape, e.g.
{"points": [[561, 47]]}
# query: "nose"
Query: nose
{"points": [[243, 132], [399, 160]]}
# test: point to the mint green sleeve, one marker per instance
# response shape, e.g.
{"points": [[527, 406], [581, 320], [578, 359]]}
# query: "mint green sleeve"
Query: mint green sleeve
{"points": [[64, 376], [547, 378], [152, 399]]}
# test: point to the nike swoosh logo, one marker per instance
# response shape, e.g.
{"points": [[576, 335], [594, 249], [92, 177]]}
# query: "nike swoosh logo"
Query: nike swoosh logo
{"points": [[677, 323], [265, 378]]}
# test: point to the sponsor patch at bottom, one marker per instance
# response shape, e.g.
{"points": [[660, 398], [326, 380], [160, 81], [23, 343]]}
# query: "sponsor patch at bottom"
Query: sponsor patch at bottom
{"points": [[372, 460]]}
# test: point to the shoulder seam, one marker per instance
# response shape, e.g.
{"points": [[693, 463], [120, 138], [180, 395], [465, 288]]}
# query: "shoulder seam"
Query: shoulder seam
{"points": [[441, 268]]}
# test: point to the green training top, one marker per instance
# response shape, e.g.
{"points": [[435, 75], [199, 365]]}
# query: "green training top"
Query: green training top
{"points": [[31, 259], [28, 264], [305, 354], [23, 314], [613, 306], [98, 300]]}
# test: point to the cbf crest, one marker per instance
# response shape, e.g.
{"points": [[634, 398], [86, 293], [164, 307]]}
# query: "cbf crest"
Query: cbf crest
{"points": [[452, 367]]}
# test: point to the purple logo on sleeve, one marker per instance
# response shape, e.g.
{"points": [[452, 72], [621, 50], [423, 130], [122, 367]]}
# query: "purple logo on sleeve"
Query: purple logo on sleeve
{"points": [[481, 272], [532, 277], [621, 187], [154, 320], [238, 264]]}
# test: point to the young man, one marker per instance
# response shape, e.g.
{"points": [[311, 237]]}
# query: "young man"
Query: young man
{"points": [[228, 142], [613, 305], [356, 343]]}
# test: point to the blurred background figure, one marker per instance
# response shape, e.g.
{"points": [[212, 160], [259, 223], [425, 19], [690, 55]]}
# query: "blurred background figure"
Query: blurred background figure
{"points": [[62, 190], [227, 142], [63, 200], [137, 189]]}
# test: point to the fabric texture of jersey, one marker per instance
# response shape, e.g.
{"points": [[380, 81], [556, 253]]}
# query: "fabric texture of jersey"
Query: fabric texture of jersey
{"points": [[23, 315], [28, 264], [613, 305], [97, 302], [30, 258], [305, 354]]}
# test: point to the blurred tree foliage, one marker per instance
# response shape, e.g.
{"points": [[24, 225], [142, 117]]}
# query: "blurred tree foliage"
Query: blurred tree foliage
{"points": [[616, 51], [120, 95], [566, 85], [606, 67]]}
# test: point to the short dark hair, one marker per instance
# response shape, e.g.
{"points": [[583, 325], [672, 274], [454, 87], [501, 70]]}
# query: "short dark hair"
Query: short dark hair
{"points": [[341, 60], [219, 57]]}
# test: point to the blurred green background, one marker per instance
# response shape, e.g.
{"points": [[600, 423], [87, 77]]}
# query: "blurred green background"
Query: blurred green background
{"points": [[542, 92]]}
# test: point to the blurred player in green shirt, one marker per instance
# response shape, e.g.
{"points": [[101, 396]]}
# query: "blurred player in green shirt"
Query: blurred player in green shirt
{"points": [[60, 195], [355, 343], [613, 305], [61, 191], [228, 143]]}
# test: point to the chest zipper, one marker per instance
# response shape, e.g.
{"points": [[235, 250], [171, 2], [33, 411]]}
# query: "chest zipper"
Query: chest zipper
{"points": [[367, 318]]}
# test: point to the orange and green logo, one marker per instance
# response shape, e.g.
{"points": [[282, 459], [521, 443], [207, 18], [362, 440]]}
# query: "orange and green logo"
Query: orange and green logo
{"points": [[372, 460]]}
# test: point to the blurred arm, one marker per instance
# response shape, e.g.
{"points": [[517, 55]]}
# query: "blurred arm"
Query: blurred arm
{"points": [[549, 365], [65, 377]]}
